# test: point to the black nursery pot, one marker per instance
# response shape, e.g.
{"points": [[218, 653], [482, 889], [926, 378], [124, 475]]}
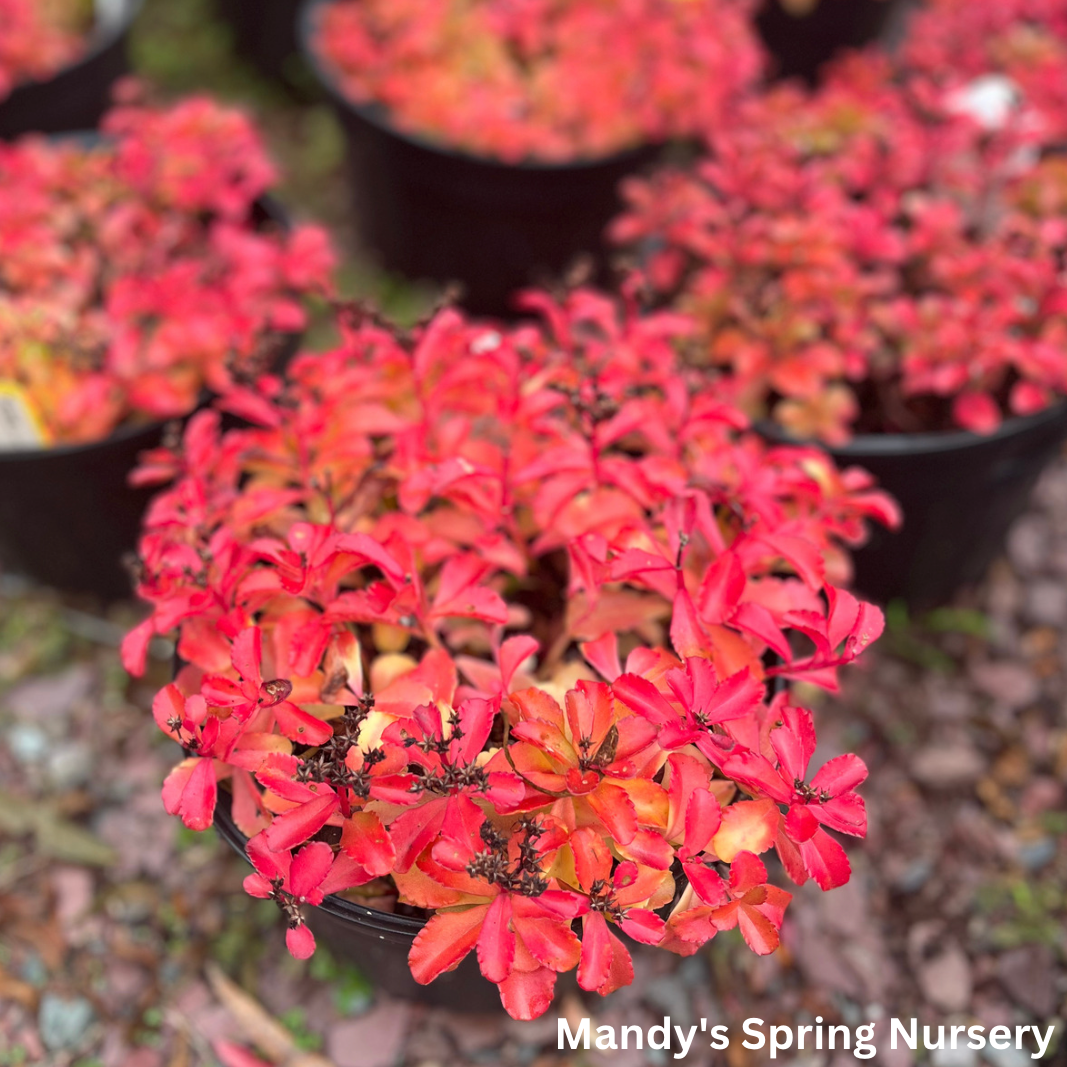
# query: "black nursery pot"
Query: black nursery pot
{"points": [[959, 491], [68, 517], [801, 44], [75, 97], [432, 212], [264, 30], [377, 942]]}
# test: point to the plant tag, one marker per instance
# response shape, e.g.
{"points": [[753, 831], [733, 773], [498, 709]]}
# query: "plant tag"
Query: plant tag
{"points": [[20, 426], [989, 99]]}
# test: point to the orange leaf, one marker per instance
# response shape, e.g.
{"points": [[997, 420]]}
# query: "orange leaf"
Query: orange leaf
{"points": [[748, 826]]}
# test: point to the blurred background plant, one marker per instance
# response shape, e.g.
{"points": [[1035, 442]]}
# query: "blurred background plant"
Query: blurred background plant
{"points": [[183, 46]]}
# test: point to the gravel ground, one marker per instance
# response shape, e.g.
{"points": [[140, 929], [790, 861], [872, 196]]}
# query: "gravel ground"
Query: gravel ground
{"points": [[126, 941]]}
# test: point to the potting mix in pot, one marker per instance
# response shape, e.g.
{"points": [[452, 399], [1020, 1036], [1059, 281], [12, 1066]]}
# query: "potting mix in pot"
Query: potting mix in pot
{"points": [[483, 625], [549, 80], [135, 273]]}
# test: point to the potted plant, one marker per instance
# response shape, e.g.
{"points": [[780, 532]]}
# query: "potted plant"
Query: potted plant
{"points": [[479, 630], [878, 266], [486, 139], [58, 62], [139, 270]]}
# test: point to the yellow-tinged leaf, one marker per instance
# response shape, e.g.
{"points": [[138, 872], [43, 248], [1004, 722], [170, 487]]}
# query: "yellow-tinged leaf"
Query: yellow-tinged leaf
{"points": [[387, 668], [664, 893], [749, 826], [421, 891], [325, 712], [563, 867], [731, 653], [372, 728], [650, 800], [390, 638]]}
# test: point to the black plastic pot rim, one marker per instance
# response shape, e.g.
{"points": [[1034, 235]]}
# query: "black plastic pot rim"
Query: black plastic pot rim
{"points": [[127, 430], [377, 115], [389, 925], [100, 39], [899, 444], [124, 432]]}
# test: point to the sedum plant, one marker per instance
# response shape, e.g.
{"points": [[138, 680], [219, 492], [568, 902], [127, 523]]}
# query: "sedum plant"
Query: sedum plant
{"points": [[494, 628], [878, 256], [135, 272], [547, 80], [39, 37]]}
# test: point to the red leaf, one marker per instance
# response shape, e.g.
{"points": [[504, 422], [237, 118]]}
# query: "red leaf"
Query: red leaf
{"points": [[190, 790], [688, 635], [594, 970], [839, 775], [299, 725], [825, 860], [527, 995], [365, 840], [758, 931], [703, 817], [513, 653], [722, 588], [642, 696], [746, 872], [496, 942], [615, 810], [443, 942], [298, 824], [247, 654], [231, 1055], [413, 830], [551, 942], [706, 883], [300, 942], [977, 412], [643, 925], [794, 742], [309, 867]]}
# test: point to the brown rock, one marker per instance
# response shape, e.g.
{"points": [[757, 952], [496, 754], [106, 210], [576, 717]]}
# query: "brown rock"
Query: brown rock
{"points": [[1012, 768], [1041, 795], [945, 978], [1008, 683], [475, 1033], [1027, 975], [1029, 542], [1046, 602], [947, 766], [373, 1040]]}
